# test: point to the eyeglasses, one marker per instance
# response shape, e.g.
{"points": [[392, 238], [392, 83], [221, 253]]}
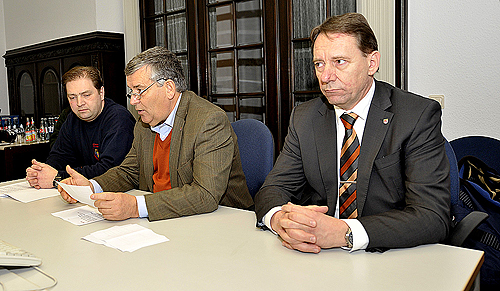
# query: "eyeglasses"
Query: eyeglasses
{"points": [[138, 95]]}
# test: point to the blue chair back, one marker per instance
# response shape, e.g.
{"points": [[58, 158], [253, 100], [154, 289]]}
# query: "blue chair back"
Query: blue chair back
{"points": [[485, 148], [256, 145], [454, 178], [462, 226]]}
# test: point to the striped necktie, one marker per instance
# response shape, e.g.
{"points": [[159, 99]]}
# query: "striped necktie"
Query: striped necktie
{"points": [[348, 168]]}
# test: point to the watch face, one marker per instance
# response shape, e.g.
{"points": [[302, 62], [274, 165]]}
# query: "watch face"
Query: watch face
{"points": [[348, 238]]}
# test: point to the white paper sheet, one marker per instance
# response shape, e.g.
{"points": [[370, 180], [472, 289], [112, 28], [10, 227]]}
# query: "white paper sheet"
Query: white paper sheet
{"points": [[80, 215], [126, 238], [80, 193], [5, 190], [22, 191]]}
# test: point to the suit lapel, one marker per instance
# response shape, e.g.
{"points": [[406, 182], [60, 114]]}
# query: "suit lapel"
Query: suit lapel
{"points": [[324, 127], [175, 141], [377, 124], [149, 143]]}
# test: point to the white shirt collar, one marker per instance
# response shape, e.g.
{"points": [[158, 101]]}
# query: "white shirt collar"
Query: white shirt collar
{"points": [[163, 129], [363, 106]]}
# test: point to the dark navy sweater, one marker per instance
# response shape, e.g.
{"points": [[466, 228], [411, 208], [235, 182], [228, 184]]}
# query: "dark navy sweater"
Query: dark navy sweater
{"points": [[91, 148]]}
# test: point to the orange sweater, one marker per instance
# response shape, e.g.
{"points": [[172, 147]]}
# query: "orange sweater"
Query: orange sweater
{"points": [[161, 172]]}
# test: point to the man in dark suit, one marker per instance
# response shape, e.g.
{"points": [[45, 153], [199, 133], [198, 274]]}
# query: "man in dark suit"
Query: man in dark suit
{"points": [[184, 150], [398, 193]]}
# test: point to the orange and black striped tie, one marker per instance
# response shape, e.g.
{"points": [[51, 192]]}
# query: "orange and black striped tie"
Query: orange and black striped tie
{"points": [[348, 168]]}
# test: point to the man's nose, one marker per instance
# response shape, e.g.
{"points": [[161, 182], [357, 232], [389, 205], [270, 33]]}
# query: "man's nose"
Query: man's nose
{"points": [[329, 74], [80, 100], [133, 100]]}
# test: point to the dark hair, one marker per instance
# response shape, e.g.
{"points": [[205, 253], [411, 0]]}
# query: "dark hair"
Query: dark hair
{"points": [[354, 24], [83, 72], [163, 63]]}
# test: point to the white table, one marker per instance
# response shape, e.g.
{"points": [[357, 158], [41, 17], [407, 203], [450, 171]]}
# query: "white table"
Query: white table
{"points": [[222, 250]]}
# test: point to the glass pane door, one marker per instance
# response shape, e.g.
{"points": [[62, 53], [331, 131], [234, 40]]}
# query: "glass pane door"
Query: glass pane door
{"points": [[236, 54], [307, 14], [165, 24]]}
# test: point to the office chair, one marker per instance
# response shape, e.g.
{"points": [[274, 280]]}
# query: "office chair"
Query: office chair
{"points": [[486, 149], [461, 230], [256, 145]]}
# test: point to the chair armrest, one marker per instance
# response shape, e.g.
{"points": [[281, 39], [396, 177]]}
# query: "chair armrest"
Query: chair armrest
{"points": [[464, 228]]}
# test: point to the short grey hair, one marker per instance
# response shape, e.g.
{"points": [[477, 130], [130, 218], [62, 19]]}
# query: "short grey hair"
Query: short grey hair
{"points": [[163, 64]]}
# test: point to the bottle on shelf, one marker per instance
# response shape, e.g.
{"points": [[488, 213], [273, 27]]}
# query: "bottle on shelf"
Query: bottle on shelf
{"points": [[42, 130], [27, 131], [50, 127], [33, 131], [20, 133], [11, 130]]}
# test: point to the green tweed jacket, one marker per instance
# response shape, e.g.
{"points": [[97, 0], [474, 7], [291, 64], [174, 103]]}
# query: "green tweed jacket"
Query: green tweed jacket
{"points": [[205, 165]]}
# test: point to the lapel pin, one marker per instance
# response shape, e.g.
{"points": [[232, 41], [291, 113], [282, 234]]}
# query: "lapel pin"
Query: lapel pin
{"points": [[385, 120]]}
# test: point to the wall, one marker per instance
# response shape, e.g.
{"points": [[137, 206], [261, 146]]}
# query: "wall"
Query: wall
{"points": [[4, 97], [454, 50], [381, 17], [28, 22]]}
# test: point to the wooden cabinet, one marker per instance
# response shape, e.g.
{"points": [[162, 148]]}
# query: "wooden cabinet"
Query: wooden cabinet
{"points": [[35, 72]]}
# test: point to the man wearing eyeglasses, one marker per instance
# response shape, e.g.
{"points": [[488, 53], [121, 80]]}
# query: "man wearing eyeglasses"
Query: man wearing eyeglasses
{"points": [[184, 151], [96, 135]]}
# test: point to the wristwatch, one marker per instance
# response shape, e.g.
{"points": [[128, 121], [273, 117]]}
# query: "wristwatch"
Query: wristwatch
{"points": [[348, 237], [57, 178]]}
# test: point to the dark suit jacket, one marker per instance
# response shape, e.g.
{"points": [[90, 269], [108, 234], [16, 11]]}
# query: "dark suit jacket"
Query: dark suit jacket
{"points": [[403, 186], [204, 162]]}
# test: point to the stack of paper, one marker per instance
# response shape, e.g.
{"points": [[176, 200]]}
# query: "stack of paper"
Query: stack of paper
{"points": [[80, 215], [126, 238], [22, 191]]}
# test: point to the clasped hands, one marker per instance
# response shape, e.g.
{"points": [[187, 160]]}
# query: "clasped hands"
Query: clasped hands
{"points": [[112, 206], [40, 175], [308, 228]]}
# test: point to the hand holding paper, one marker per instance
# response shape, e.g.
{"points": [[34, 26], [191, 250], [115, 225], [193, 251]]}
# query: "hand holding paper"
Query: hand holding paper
{"points": [[113, 206], [116, 206], [76, 179], [80, 193]]}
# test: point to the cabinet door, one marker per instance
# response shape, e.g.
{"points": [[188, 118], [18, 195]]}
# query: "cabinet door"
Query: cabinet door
{"points": [[50, 97], [27, 94], [51, 93], [25, 85]]}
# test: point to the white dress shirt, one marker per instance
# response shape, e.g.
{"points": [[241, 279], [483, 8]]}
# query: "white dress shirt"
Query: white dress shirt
{"points": [[163, 129], [360, 237]]}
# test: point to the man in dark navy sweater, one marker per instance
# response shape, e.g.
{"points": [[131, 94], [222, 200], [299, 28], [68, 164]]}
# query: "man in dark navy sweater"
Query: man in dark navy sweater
{"points": [[96, 135]]}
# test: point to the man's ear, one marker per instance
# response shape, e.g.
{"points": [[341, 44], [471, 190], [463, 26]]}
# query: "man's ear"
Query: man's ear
{"points": [[101, 92], [374, 59], [170, 88]]}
